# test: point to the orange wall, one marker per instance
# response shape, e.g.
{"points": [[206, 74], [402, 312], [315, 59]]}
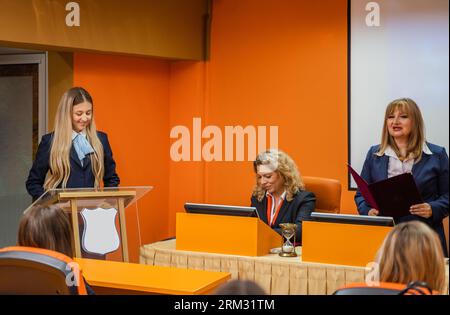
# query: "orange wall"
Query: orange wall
{"points": [[131, 104], [188, 89], [272, 62]]}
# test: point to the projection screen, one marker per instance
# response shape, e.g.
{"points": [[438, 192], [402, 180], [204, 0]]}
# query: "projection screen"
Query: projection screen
{"points": [[398, 48]]}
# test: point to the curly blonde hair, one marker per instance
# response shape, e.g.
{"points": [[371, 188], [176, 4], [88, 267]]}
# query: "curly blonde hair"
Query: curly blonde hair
{"points": [[283, 164]]}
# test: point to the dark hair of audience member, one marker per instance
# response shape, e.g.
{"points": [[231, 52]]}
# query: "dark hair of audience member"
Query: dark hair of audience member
{"points": [[240, 287], [46, 227]]}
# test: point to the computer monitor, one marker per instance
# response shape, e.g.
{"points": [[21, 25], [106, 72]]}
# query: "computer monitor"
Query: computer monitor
{"points": [[352, 219], [220, 209]]}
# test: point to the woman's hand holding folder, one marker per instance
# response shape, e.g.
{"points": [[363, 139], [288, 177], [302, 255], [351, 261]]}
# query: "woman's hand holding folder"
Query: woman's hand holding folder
{"points": [[422, 210]]}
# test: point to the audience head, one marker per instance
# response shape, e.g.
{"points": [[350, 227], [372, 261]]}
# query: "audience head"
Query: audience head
{"points": [[275, 172], [240, 287], [412, 252], [403, 121], [46, 227]]}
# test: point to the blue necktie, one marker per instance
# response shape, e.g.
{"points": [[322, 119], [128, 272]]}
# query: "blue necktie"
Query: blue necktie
{"points": [[82, 147]]}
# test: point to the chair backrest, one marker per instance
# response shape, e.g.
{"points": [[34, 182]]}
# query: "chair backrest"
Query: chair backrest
{"points": [[327, 191], [29, 270], [386, 288]]}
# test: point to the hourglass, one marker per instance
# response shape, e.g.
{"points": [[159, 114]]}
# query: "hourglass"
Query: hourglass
{"points": [[288, 232]]}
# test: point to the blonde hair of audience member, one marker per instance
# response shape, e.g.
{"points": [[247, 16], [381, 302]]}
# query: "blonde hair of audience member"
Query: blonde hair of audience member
{"points": [[59, 171], [412, 252], [46, 227], [284, 166], [417, 136], [240, 287]]}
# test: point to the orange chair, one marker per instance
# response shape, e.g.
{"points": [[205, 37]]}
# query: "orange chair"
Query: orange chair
{"points": [[387, 288], [29, 270], [327, 191]]}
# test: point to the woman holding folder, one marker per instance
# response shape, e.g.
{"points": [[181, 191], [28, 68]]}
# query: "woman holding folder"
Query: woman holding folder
{"points": [[403, 149]]}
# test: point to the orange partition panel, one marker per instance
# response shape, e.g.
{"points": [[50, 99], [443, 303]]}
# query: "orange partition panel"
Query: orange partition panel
{"points": [[342, 244], [224, 234]]}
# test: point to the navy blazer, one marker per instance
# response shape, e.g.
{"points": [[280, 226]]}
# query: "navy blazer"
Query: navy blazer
{"points": [[294, 211], [431, 177], [80, 175]]}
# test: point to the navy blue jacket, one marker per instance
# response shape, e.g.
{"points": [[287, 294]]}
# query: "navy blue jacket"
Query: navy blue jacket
{"points": [[294, 211], [431, 177], [80, 175]]}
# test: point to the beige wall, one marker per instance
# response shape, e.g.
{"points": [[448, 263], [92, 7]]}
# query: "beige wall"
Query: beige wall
{"points": [[60, 79], [159, 28]]}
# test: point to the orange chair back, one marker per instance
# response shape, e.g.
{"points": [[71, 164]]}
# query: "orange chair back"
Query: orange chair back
{"points": [[327, 191], [29, 270], [386, 288]]}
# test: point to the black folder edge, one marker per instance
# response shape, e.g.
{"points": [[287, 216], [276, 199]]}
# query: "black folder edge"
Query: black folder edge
{"points": [[381, 189]]}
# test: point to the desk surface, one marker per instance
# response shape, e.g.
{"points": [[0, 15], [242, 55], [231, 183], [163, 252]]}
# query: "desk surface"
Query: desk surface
{"points": [[150, 279]]}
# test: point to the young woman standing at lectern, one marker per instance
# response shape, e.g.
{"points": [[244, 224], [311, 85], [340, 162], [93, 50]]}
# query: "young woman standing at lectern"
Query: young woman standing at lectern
{"points": [[279, 195], [75, 155], [403, 149]]}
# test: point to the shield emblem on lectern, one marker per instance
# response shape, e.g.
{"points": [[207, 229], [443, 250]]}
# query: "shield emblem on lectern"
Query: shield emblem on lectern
{"points": [[100, 235]]}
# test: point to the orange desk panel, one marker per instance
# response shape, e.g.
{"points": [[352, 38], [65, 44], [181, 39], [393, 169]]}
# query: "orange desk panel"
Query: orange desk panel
{"points": [[222, 234], [137, 278], [341, 244]]}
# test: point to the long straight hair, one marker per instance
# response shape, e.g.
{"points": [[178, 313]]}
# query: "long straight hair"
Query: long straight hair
{"points": [[417, 136], [59, 171]]}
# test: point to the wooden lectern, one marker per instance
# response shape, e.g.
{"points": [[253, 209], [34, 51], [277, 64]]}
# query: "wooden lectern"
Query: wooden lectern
{"points": [[74, 199], [120, 196], [246, 236], [341, 244]]}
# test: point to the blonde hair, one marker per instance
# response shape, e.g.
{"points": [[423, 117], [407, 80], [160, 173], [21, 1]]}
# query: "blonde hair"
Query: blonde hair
{"points": [[417, 136], [284, 166], [412, 252], [59, 171]]}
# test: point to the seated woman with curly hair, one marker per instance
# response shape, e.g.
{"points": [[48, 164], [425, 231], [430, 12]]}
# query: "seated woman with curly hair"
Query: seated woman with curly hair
{"points": [[279, 195]]}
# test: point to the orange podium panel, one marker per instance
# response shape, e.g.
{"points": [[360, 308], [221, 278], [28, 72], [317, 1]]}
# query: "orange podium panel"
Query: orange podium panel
{"points": [[246, 236], [341, 244]]}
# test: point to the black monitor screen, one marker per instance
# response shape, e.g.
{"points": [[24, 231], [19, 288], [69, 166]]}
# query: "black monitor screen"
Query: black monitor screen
{"points": [[352, 219], [220, 209]]}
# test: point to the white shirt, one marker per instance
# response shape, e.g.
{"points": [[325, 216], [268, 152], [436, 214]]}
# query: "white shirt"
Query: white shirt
{"points": [[274, 208], [396, 166]]}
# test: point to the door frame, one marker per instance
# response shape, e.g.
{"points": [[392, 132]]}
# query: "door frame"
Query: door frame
{"points": [[41, 60]]}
